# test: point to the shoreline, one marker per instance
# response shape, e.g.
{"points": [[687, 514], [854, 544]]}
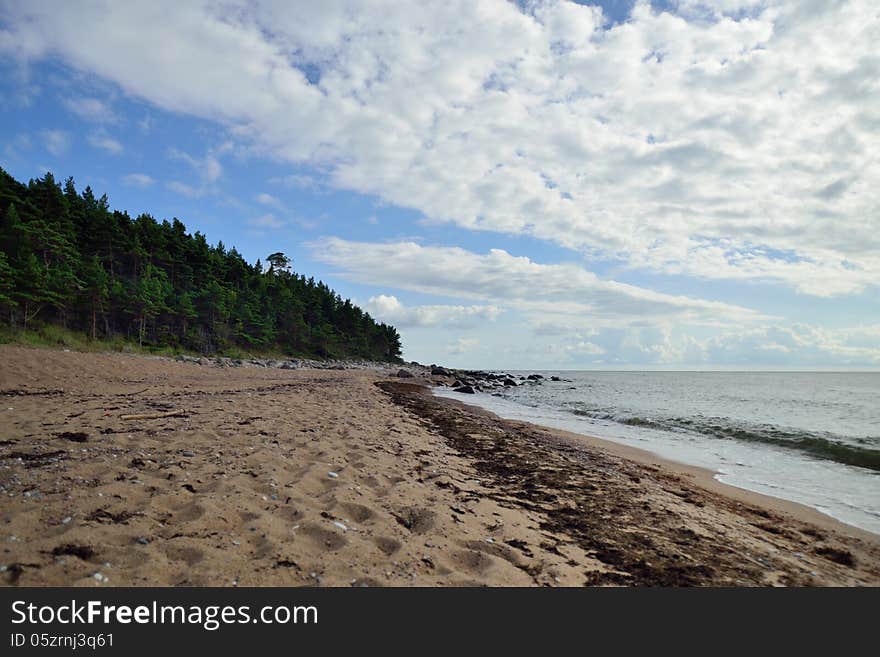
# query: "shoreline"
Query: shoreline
{"points": [[638, 513], [121, 470], [702, 477]]}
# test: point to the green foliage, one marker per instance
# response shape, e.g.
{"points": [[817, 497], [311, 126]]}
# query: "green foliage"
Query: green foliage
{"points": [[69, 265]]}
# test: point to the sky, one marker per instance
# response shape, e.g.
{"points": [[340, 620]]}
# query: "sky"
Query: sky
{"points": [[523, 185]]}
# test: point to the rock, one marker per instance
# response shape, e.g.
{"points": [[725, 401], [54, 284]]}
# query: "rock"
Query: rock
{"points": [[440, 371], [404, 374], [555, 378], [510, 382], [465, 389], [534, 377]]}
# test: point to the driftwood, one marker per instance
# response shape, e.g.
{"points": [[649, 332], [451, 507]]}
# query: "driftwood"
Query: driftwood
{"points": [[154, 416]]}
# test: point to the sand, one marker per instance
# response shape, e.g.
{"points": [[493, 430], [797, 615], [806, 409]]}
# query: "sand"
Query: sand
{"points": [[266, 477]]}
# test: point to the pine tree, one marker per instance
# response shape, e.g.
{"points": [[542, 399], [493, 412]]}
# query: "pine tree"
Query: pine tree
{"points": [[68, 259]]}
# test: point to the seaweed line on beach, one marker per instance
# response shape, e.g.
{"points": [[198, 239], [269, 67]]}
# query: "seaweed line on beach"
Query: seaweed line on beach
{"points": [[597, 501]]}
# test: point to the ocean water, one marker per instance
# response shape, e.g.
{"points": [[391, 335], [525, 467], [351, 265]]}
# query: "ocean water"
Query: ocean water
{"points": [[810, 437]]}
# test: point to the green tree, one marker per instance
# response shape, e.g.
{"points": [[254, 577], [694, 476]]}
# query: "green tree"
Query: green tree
{"points": [[96, 284], [67, 258], [30, 286], [151, 293]]}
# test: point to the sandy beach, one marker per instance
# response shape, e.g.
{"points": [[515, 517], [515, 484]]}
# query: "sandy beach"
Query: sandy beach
{"points": [[121, 470]]}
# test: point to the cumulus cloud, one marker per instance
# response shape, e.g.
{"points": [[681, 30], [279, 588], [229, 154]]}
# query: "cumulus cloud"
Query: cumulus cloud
{"points": [[268, 220], [185, 190], [267, 199], [208, 168], [723, 140], [389, 309], [797, 345], [544, 291], [297, 181], [57, 142], [91, 109], [138, 180], [100, 139], [462, 346]]}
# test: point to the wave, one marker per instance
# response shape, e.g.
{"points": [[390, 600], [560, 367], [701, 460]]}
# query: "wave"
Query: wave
{"points": [[818, 445]]}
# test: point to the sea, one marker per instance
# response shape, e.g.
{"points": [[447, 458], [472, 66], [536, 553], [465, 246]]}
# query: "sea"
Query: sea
{"points": [[809, 437]]}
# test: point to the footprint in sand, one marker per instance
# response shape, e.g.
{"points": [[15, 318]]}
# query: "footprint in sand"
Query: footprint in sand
{"points": [[472, 561], [188, 554], [416, 519], [495, 550], [188, 512], [248, 516], [357, 512], [322, 538], [388, 546]]}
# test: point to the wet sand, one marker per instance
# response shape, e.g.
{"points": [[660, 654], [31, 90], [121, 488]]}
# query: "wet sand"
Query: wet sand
{"points": [[269, 477]]}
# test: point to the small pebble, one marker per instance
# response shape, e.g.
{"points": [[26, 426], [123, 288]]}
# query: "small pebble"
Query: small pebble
{"points": [[332, 475]]}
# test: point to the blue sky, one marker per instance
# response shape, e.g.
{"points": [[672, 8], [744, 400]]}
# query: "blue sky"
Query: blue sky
{"points": [[668, 185]]}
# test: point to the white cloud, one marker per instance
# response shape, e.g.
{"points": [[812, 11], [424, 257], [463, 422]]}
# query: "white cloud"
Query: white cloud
{"points": [[266, 221], [462, 346], [100, 139], [732, 140], [208, 168], [543, 291], [138, 180], [268, 199], [799, 344], [92, 109], [57, 142], [388, 308], [185, 190], [296, 181]]}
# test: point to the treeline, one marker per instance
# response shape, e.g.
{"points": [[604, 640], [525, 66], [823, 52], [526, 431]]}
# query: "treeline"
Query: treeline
{"points": [[67, 259]]}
